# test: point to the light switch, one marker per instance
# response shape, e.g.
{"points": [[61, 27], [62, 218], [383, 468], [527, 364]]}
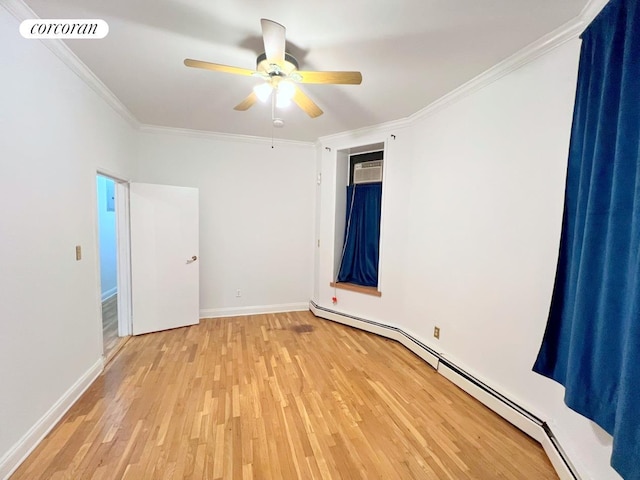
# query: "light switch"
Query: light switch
{"points": [[78, 252]]}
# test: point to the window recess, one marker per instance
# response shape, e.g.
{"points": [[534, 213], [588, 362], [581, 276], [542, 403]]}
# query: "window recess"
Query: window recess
{"points": [[358, 219]]}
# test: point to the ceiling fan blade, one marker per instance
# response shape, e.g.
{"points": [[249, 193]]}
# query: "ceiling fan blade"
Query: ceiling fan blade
{"points": [[247, 103], [305, 103], [216, 67], [273, 35], [345, 78]]}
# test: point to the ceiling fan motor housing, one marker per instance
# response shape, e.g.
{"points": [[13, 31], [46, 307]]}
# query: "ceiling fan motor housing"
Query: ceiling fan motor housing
{"points": [[289, 65], [280, 71]]}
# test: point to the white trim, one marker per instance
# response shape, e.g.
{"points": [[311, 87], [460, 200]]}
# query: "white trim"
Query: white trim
{"points": [[229, 137], [528, 54], [352, 135], [384, 200], [509, 414], [19, 452], [104, 172], [517, 419], [558, 462], [591, 10], [123, 240], [506, 408], [253, 310], [570, 30], [21, 12], [379, 329], [109, 293], [123, 256], [543, 45], [564, 33]]}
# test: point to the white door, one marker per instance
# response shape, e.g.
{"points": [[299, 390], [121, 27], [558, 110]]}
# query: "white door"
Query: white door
{"points": [[164, 257]]}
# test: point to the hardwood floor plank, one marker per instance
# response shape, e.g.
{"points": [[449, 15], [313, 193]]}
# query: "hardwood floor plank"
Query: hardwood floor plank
{"points": [[278, 396]]}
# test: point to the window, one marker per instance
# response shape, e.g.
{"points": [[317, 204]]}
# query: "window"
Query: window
{"points": [[358, 219]]}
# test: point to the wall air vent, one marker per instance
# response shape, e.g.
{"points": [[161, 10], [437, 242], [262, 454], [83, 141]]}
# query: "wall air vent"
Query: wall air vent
{"points": [[367, 172]]}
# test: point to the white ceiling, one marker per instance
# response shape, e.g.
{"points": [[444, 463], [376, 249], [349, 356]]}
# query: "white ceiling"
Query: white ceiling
{"points": [[410, 53]]}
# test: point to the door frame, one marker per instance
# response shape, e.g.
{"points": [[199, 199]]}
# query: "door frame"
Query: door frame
{"points": [[123, 254], [125, 313]]}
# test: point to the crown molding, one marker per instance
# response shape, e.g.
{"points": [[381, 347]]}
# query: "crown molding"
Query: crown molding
{"points": [[18, 9], [591, 11], [563, 34], [21, 12], [569, 31], [380, 128], [226, 137], [528, 54]]}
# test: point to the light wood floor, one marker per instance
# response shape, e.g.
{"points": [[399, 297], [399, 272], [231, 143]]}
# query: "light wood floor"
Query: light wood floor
{"points": [[110, 340], [110, 324], [280, 396]]}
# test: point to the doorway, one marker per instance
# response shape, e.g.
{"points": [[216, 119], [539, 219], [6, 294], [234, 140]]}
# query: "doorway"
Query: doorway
{"points": [[112, 230]]}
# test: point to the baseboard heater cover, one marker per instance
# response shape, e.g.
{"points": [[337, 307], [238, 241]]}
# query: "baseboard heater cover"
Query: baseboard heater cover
{"points": [[503, 406]]}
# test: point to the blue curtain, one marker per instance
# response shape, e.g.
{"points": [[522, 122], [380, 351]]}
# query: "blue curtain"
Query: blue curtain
{"points": [[362, 235], [592, 341]]}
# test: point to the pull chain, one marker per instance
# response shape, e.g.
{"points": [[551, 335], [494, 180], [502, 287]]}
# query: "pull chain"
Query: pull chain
{"points": [[273, 115]]}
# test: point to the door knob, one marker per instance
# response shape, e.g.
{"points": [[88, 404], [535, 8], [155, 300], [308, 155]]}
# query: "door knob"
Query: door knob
{"points": [[192, 259]]}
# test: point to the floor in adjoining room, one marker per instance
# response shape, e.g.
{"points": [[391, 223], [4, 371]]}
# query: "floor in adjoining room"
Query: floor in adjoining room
{"points": [[279, 396], [110, 338]]}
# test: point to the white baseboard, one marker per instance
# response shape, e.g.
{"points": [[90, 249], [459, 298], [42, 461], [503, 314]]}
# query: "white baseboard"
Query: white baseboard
{"points": [[506, 408], [12, 459], [512, 414], [492, 399], [253, 310], [558, 458], [501, 407], [392, 333], [109, 293]]}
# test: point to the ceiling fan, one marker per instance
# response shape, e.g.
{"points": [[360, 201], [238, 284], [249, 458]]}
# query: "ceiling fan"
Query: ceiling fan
{"points": [[280, 72]]}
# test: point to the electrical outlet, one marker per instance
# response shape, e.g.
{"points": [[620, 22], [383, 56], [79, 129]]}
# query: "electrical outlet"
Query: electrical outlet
{"points": [[238, 294], [78, 252], [436, 332]]}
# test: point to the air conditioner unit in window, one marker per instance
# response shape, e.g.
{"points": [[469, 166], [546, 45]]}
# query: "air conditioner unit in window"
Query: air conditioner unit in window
{"points": [[367, 172]]}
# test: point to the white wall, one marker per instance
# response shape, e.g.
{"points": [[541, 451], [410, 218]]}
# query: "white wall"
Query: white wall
{"points": [[107, 239], [393, 226], [256, 216], [472, 205], [487, 201], [54, 133], [472, 217]]}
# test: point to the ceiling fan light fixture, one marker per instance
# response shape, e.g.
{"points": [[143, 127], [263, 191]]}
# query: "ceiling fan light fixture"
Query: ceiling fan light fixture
{"points": [[282, 101], [263, 91], [284, 94], [279, 70]]}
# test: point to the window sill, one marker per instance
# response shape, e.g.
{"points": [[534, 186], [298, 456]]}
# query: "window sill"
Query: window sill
{"points": [[352, 287]]}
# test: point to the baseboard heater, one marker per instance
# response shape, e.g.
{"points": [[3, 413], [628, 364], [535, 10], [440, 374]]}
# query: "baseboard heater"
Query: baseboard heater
{"points": [[503, 406]]}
